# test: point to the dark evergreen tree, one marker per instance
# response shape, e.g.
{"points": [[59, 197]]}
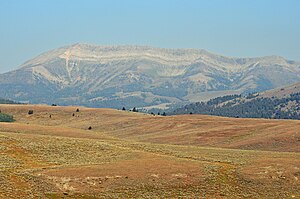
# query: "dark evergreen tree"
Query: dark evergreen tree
{"points": [[6, 118]]}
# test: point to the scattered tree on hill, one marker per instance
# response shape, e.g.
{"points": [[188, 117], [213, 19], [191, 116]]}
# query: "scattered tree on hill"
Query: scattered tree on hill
{"points": [[164, 114], [30, 112], [90, 128], [123, 109], [77, 110], [134, 109]]}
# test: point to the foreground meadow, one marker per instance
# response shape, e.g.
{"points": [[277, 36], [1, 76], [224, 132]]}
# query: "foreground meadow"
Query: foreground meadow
{"points": [[52, 153]]}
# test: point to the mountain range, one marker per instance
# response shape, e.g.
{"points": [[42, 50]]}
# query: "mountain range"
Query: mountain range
{"points": [[140, 76]]}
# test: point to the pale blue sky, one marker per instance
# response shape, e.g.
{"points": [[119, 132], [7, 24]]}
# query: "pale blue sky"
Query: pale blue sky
{"points": [[245, 28]]}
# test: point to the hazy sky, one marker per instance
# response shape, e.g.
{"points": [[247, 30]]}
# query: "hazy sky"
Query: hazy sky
{"points": [[243, 28]]}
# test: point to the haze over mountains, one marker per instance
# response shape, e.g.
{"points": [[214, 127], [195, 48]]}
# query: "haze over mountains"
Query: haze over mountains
{"points": [[140, 76]]}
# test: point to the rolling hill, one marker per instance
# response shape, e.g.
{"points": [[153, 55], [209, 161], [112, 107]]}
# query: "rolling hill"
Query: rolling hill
{"points": [[135, 155], [139, 76]]}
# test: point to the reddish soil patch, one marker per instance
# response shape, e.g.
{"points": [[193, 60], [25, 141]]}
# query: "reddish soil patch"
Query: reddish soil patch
{"points": [[146, 170]]}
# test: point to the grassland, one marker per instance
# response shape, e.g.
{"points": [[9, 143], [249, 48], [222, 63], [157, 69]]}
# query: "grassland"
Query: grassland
{"points": [[52, 154]]}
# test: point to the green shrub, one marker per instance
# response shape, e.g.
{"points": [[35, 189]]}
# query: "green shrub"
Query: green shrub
{"points": [[6, 118]]}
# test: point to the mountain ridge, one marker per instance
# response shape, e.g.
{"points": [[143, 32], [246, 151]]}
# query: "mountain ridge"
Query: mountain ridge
{"points": [[62, 51], [132, 75]]}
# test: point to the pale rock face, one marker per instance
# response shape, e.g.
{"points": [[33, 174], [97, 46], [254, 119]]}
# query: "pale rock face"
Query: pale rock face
{"points": [[116, 76]]}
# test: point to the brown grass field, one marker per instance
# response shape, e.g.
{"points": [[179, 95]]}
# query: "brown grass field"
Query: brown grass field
{"points": [[134, 155]]}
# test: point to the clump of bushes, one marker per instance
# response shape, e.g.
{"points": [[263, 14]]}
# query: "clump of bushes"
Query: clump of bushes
{"points": [[30, 112], [6, 118]]}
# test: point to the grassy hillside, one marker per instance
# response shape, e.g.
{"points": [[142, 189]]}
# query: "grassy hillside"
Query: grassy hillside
{"points": [[198, 130], [133, 155]]}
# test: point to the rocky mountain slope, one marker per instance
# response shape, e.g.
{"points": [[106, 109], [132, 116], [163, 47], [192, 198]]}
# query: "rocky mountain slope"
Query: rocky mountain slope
{"points": [[280, 103], [117, 76]]}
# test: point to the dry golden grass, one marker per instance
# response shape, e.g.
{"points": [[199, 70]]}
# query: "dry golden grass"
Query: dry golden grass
{"points": [[198, 130], [133, 155]]}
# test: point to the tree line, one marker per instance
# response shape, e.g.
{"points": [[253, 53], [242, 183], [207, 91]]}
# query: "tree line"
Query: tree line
{"points": [[251, 106]]}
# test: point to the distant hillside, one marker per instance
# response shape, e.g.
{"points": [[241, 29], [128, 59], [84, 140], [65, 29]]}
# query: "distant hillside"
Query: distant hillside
{"points": [[282, 103], [141, 76], [5, 101]]}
